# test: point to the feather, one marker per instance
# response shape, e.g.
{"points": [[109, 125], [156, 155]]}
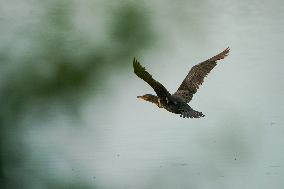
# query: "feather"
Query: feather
{"points": [[196, 75], [141, 72]]}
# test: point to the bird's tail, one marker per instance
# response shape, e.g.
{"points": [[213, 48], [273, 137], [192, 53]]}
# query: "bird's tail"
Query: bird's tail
{"points": [[191, 113]]}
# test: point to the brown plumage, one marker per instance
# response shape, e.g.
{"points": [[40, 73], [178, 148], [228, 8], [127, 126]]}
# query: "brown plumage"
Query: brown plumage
{"points": [[177, 102]]}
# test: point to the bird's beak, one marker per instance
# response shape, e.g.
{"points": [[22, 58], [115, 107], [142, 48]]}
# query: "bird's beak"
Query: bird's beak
{"points": [[140, 97]]}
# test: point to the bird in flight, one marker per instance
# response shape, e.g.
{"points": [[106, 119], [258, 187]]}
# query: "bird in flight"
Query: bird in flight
{"points": [[178, 102]]}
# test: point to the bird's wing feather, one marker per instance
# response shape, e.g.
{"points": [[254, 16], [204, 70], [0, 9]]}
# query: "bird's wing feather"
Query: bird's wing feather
{"points": [[141, 72], [196, 76]]}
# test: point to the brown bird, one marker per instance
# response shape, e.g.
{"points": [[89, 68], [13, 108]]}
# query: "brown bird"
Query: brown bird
{"points": [[177, 102]]}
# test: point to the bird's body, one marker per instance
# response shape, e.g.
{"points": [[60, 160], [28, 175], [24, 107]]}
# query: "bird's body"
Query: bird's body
{"points": [[174, 104], [178, 102]]}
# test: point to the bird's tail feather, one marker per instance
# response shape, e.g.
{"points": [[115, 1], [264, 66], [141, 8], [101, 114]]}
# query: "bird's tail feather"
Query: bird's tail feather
{"points": [[191, 113]]}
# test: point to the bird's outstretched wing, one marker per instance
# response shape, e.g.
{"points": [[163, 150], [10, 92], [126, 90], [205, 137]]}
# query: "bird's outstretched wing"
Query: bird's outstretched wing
{"points": [[141, 72], [196, 76]]}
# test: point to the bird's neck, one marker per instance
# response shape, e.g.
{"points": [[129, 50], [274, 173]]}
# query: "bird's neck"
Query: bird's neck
{"points": [[156, 100]]}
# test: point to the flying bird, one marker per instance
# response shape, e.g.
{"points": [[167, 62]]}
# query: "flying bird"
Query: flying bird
{"points": [[178, 102]]}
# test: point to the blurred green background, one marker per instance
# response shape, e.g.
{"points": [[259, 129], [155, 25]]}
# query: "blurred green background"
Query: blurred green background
{"points": [[69, 115]]}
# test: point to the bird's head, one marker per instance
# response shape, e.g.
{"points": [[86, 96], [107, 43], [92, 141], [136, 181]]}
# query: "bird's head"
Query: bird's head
{"points": [[150, 98]]}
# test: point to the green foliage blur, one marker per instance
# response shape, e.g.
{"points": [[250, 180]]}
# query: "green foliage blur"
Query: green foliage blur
{"points": [[55, 53]]}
